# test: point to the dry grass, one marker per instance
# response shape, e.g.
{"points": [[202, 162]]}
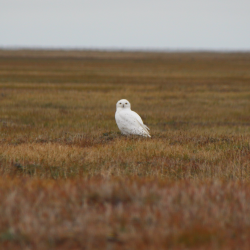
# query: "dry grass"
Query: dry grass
{"points": [[124, 214], [68, 178]]}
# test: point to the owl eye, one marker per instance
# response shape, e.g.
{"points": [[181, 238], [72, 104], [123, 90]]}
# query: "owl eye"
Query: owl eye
{"points": [[126, 103], [120, 103]]}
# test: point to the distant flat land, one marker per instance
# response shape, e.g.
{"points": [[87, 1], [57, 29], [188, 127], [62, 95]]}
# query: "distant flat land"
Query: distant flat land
{"points": [[69, 179]]}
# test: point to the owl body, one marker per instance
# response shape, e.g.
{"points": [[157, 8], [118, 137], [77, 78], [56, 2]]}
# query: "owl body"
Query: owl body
{"points": [[128, 121]]}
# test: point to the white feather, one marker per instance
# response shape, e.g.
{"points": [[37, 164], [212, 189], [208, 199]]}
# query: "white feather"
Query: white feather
{"points": [[128, 121]]}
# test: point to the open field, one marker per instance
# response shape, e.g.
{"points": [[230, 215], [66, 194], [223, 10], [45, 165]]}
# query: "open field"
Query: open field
{"points": [[69, 179]]}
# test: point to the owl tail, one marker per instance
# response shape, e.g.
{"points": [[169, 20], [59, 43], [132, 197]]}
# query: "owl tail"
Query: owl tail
{"points": [[145, 128]]}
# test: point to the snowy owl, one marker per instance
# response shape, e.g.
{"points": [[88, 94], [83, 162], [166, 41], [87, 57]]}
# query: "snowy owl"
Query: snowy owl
{"points": [[129, 122]]}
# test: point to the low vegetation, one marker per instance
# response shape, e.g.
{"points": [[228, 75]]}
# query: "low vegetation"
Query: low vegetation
{"points": [[69, 179]]}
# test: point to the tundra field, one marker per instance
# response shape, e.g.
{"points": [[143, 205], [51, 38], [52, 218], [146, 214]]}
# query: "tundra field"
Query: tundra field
{"points": [[70, 180]]}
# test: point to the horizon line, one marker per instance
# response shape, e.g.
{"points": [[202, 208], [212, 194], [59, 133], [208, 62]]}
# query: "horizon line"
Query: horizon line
{"points": [[122, 49]]}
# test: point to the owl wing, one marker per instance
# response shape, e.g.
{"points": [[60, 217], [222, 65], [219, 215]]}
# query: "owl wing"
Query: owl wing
{"points": [[133, 121], [139, 119]]}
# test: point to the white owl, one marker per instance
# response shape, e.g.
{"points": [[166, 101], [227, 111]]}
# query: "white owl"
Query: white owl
{"points": [[129, 122]]}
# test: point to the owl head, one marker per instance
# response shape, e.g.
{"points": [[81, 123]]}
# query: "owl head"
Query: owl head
{"points": [[123, 104]]}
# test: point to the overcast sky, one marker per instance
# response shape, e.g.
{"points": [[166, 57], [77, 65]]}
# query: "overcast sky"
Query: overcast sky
{"points": [[126, 24]]}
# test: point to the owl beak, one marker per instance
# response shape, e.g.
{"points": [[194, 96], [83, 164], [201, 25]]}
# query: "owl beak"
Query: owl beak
{"points": [[123, 105]]}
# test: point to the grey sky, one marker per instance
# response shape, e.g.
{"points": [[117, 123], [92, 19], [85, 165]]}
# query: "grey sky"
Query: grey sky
{"points": [[130, 24]]}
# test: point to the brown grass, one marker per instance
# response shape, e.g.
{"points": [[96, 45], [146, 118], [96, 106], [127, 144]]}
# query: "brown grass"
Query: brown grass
{"points": [[129, 214], [69, 179]]}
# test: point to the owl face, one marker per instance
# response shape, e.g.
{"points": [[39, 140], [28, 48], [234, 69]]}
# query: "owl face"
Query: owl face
{"points": [[123, 103]]}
